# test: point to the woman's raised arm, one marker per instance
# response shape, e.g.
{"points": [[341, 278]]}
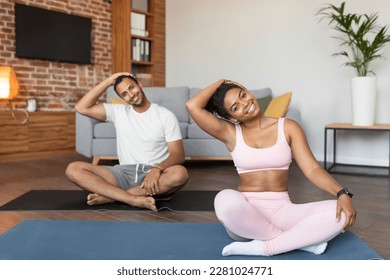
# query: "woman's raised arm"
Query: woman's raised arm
{"points": [[206, 120]]}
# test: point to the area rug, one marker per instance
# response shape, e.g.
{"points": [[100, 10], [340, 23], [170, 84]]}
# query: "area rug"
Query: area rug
{"points": [[76, 200], [115, 240]]}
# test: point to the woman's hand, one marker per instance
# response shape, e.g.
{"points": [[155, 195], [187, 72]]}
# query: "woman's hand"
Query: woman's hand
{"points": [[344, 204]]}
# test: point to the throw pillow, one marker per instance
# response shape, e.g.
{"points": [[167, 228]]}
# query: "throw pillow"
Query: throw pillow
{"points": [[278, 106], [116, 101], [264, 102]]}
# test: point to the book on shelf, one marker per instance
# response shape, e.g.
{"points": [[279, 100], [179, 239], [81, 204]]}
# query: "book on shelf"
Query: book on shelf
{"points": [[140, 50], [138, 24], [147, 51]]}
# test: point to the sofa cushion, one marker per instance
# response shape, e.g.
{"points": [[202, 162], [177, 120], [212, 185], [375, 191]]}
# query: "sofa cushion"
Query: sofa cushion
{"points": [[111, 93], [209, 148], [195, 132], [116, 100], [193, 91], [104, 130], [107, 130], [184, 129], [264, 102], [260, 93], [104, 147], [172, 98], [278, 106]]}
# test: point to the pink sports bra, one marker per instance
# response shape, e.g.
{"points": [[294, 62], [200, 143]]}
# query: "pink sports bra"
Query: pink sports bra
{"points": [[249, 159]]}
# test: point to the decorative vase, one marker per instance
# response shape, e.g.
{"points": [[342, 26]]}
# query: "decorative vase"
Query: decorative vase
{"points": [[363, 93], [31, 105]]}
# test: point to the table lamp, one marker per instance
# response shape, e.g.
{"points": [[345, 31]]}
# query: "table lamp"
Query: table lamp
{"points": [[9, 88]]}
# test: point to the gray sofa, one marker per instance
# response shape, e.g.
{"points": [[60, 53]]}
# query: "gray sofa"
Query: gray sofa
{"points": [[97, 140]]}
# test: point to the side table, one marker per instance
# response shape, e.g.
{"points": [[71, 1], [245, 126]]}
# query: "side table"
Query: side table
{"points": [[354, 169]]}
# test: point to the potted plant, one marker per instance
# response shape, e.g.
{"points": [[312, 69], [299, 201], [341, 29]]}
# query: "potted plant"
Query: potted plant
{"points": [[362, 39]]}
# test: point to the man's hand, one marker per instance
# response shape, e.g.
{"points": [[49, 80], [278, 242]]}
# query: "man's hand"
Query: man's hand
{"points": [[88, 105], [150, 183], [114, 76]]}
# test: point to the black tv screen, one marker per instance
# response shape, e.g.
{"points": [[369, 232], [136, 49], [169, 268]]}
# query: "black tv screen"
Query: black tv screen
{"points": [[51, 35]]}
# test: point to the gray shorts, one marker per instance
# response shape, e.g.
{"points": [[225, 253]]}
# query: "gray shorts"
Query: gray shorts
{"points": [[129, 175]]}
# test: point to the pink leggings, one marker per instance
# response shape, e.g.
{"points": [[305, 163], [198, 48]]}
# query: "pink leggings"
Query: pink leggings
{"points": [[273, 218]]}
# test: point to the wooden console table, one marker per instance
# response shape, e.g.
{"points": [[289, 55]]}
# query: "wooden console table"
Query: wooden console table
{"points": [[354, 169], [45, 134]]}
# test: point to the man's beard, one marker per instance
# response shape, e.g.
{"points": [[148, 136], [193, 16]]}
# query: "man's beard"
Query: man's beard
{"points": [[141, 96]]}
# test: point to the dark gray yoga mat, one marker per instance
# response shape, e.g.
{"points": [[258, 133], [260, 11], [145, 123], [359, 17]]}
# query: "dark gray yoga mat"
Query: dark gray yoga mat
{"points": [[76, 200]]}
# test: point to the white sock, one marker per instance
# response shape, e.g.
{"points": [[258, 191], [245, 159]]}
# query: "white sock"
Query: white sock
{"points": [[250, 248], [315, 249]]}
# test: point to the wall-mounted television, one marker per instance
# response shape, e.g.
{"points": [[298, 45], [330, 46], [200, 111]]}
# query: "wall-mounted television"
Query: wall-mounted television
{"points": [[50, 35]]}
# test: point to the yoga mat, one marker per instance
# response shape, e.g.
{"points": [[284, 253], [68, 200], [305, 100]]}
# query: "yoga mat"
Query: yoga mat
{"points": [[114, 240], [77, 200]]}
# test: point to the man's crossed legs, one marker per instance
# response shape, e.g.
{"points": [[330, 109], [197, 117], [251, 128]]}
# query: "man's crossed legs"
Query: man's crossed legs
{"points": [[105, 188]]}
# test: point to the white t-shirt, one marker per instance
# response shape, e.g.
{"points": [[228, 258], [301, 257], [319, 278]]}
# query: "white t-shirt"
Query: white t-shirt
{"points": [[142, 137]]}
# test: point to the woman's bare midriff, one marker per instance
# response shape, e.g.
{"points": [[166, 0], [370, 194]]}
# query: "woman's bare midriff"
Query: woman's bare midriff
{"points": [[264, 181]]}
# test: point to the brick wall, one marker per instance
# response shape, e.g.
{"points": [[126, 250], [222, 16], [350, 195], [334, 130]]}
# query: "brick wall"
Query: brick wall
{"points": [[58, 86]]}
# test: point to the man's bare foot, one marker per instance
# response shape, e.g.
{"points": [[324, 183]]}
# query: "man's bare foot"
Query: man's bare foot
{"points": [[137, 201], [144, 202], [97, 199]]}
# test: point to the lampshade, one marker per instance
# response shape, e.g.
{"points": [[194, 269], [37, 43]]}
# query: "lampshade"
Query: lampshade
{"points": [[9, 85]]}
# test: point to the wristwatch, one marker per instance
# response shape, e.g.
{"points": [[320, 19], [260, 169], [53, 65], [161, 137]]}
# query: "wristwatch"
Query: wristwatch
{"points": [[344, 191]]}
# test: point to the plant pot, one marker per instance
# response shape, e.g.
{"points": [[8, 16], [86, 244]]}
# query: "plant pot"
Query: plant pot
{"points": [[363, 93]]}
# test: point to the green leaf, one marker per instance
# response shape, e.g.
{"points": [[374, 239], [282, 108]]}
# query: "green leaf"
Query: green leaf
{"points": [[360, 34]]}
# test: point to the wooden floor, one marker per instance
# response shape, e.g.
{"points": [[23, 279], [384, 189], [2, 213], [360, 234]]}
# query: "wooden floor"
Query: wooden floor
{"points": [[372, 196]]}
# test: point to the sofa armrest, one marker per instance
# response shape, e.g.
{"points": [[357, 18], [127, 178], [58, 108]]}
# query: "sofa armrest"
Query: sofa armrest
{"points": [[84, 134], [294, 114]]}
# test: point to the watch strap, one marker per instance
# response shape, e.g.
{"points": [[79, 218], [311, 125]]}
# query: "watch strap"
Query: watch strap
{"points": [[344, 191]]}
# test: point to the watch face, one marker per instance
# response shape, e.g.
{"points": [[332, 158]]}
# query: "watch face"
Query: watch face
{"points": [[348, 193]]}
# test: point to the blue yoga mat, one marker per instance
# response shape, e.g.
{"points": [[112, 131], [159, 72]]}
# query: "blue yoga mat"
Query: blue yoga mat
{"points": [[114, 240]]}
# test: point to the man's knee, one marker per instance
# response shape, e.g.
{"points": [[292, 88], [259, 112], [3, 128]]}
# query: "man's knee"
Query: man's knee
{"points": [[72, 169], [178, 175], [182, 174]]}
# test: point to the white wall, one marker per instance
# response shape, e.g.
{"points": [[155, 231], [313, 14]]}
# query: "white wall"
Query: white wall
{"points": [[279, 44]]}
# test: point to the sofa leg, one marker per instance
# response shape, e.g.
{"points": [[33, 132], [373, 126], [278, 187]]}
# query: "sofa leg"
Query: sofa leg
{"points": [[96, 159]]}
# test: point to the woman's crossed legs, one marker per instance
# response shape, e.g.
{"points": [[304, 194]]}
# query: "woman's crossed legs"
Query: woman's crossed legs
{"points": [[274, 223]]}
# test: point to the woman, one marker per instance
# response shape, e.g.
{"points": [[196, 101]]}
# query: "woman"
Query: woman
{"points": [[259, 214]]}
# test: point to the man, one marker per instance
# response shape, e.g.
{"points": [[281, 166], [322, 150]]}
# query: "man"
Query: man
{"points": [[149, 145]]}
